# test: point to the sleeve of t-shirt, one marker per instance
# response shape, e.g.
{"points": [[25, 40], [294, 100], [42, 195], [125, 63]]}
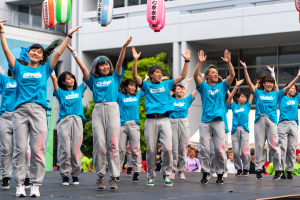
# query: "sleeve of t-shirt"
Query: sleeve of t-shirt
{"points": [[201, 88], [256, 94], [190, 100], [140, 95], [119, 96], [279, 94], [58, 94], [298, 97], [232, 106], [144, 87], [2, 81], [49, 69], [118, 77], [82, 88], [170, 83], [90, 82], [16, 69], [249, 105], [224, 86]]}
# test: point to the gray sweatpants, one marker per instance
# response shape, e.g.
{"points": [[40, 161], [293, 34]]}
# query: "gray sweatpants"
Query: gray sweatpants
{"points": [[212, 155], [106, 129], [288, 140], [265, 129], [180, 139], [130, 131], [70, 133], [158, 128], [212, 131], [240, 148], [128, 155], [29, 119]]}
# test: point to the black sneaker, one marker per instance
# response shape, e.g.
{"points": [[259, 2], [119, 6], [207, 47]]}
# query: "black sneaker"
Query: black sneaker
{"points": [[239, 173], [100, 183], [289, 175], [283, 175], [5, 183], [245, 172], [277, 175], [204, 179], [113, 183], [65, 181], [118, 178], [258, 175], [81, 171], [27, 183], [75, 181], [220, 179], [136, 177], [129, 171]]}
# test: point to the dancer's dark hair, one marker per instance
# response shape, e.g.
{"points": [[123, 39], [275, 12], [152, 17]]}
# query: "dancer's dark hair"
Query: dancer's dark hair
{"points": [[62, 78]]}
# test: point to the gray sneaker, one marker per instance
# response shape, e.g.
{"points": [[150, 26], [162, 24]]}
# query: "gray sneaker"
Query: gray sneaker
{"points": [[100, 183], [113, 183]]}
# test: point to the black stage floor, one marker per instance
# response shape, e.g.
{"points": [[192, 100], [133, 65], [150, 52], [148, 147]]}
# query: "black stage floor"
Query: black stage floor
{"points": [[233, 188]]}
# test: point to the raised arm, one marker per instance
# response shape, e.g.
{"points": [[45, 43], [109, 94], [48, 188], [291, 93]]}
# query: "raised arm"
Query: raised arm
{"points": [[62, 47], [122, 56], [9, 56], [271, 69], [85, 71], [251, 86], [286, 89], [54, 81], [134, 67], [194, 93], [186, 57], [188, 80], [230, 98], [227, 59], [201, 59]]}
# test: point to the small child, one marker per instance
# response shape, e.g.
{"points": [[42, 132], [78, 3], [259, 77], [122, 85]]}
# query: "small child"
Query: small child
{"points": [[230, 163], [192, 163]]}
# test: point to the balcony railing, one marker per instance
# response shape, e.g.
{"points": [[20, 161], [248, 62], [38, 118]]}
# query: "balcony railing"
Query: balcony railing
{"points": [[24, 20]]}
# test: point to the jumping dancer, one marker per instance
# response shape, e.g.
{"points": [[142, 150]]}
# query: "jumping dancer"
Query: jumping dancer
{"points": [[180, 128], [159, 104], [128, 101], [104, 81], [69, 125], [29, 115], [240, 129], [265, 125], [212, 125], [288, 129]]}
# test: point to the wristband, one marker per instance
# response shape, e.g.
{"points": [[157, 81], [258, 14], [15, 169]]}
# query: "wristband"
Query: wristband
{"points": [[187, 61], [273, 74], [74, 53], [70, 36], [1, 31]]}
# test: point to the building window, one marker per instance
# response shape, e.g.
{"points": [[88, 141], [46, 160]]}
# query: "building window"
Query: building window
{"points": [[119, 3]]}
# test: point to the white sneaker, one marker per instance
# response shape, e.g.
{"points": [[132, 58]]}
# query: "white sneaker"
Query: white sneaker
{"points": [[34, 190], [20, 191], [181, 175], [225, 175], [214, 175], [172, 176]]}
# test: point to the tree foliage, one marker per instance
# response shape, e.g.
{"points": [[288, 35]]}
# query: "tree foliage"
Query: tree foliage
{"points": [[143, 65]]}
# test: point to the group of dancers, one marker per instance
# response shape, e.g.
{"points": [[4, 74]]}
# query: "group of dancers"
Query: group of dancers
{"points": [[115, 118]]}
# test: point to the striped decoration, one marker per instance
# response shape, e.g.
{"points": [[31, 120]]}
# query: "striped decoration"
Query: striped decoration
{"points": [[155, 12], [162, 24], [297, 4], [63, 11], [105, 12], [49, 13]]}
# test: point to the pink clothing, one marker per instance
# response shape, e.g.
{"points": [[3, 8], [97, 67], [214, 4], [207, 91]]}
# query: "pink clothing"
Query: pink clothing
{"points": [[192, 164]]}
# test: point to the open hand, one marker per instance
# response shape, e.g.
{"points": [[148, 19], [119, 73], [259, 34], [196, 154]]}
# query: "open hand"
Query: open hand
{"points": [[271, 69], [135, 54], [187, 54], [1, 24], [189, 79], [127, 42], [201, 56], [227, 56], [243, 64], [73, 30], [237, 83]]}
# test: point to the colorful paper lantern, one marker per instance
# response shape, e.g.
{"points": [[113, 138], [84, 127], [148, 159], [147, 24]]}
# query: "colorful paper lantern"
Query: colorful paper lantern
{"points": [[155, 12], [105, 12], [297, 3], [63, 11], [162, 24], [49, 13]]}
